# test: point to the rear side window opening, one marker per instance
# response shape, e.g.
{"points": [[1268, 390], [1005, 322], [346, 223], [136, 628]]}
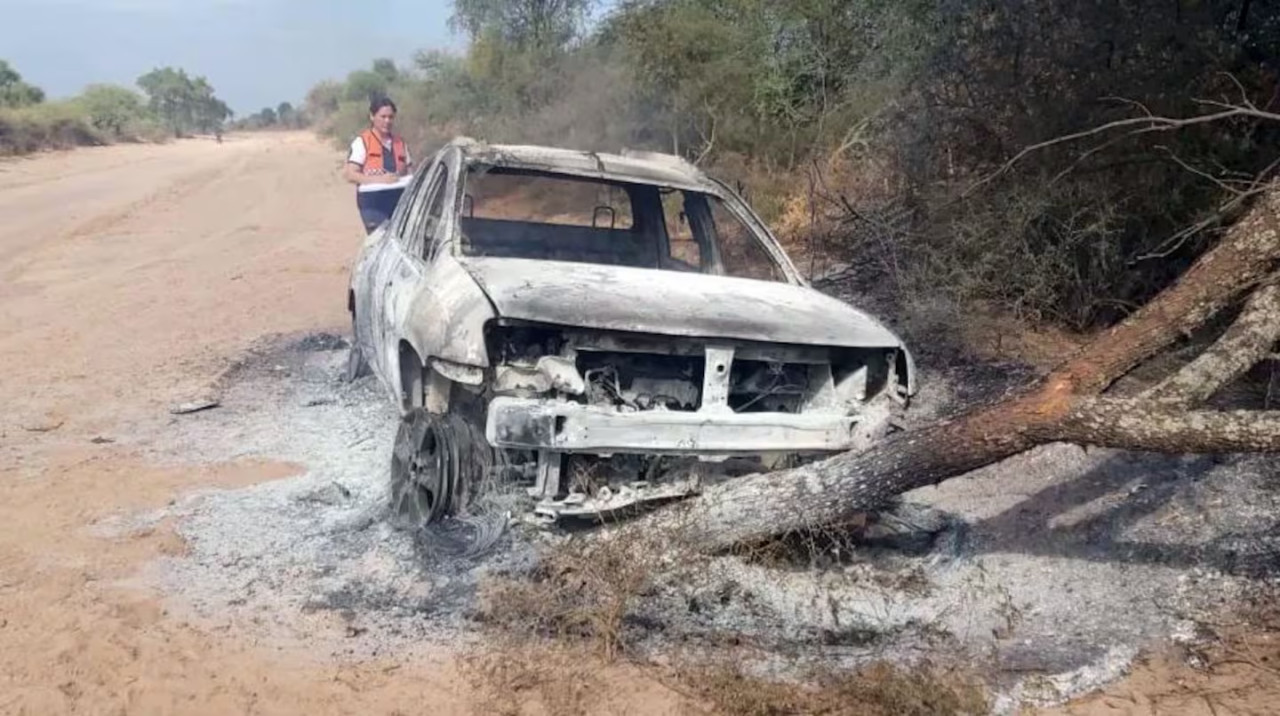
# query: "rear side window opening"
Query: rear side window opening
{"points": [[528, 214]]}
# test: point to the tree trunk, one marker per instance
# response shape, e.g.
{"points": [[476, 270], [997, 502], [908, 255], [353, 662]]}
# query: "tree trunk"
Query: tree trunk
{"points": [[756, 507], [1137, 425], [1246, 342], [1062, 408]]}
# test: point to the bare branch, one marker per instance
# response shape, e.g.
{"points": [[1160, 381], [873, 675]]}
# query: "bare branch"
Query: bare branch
{"points": [[708, 142], [855, 135], [1199, 172], [1244, 94], [1265, 175], [1131, 102], [1078, 160], [1175, 242], [1136, 125]]}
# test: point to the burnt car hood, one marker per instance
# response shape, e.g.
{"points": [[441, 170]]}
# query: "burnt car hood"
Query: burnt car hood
{"points": [[671, 303]]}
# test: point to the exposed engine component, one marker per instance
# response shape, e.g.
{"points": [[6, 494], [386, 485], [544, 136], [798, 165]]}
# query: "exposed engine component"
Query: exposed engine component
{"points": [[641, 381], [546, 374], [767, 386]]}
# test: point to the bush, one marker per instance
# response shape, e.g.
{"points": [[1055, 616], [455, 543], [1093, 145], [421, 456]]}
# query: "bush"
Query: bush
{"points": [[54, 125], [347, 121], [116, 112]]}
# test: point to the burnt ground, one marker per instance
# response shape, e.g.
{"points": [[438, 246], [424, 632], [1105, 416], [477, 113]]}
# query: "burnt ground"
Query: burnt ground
{"points": [[1049, 571]]}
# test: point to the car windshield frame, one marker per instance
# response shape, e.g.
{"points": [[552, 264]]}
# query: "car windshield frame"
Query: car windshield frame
{"points": [[711, 193]]}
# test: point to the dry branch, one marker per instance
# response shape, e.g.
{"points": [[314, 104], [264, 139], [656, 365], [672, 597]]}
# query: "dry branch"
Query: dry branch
{"points": [[1135, 125], [1245, 344]]}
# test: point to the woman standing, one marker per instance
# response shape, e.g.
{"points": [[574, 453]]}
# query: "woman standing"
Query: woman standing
{"points": [[377, 164]]}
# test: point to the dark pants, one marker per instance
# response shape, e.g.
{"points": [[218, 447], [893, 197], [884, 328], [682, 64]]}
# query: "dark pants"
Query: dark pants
{"points": [[376, 206]]}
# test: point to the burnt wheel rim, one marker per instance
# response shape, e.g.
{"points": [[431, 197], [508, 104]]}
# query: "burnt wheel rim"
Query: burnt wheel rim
{"points": [[422, 470]]}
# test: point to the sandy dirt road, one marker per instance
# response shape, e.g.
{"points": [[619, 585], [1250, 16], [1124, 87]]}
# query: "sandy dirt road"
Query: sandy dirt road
{"points": [[127, 273], [130, 277]]}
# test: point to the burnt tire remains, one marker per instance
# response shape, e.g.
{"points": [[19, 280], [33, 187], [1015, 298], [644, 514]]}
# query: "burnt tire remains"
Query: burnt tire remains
{"points": [[357, 366], [439, 465], [475, 471]]}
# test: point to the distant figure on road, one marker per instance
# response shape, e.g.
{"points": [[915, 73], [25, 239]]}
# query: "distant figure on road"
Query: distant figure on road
{"points": [[378, 161]]}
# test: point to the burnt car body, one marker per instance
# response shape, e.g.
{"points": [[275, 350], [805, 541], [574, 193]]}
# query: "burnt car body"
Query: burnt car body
{"points": [[612, 329]]}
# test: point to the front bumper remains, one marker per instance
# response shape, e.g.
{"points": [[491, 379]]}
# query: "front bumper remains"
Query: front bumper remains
{"points": [[561, 426]]}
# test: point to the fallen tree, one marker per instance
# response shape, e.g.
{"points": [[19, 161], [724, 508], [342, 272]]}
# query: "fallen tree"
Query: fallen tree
{"points": [[1072, 404]]}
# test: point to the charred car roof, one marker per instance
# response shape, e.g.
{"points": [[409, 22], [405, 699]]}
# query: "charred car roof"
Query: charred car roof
{"points": [[639, 167]]}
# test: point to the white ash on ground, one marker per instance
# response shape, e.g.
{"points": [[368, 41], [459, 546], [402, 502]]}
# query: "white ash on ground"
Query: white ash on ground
{"points": [[311, 560], [1050, 570], [1054, 570]]}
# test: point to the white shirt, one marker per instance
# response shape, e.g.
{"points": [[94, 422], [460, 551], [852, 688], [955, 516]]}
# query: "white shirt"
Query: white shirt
{"points": [[358, 155]]}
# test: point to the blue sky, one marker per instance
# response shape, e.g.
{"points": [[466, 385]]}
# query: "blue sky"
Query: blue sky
{"points": [[256, 53]]}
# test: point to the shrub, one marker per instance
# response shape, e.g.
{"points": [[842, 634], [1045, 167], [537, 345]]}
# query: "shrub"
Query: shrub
{"points": [[117, 112], [53, 125]]}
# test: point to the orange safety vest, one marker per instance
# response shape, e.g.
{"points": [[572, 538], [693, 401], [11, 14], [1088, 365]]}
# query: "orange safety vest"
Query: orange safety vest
{"points": [[374, 161]]}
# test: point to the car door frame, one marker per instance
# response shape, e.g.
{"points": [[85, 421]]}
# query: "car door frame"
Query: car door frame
{"points": [[402, 275], [366, 290]]}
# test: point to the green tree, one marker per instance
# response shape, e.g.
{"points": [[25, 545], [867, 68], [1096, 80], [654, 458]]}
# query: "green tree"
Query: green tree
{"points": [[776, 79], [387, 70], [364, 85], [286, 115], [113, 109], [182, 102], [14, 92], [170, 94], [208, 112], [525, 24], [518, 48], [268, 117], [323, 100]]}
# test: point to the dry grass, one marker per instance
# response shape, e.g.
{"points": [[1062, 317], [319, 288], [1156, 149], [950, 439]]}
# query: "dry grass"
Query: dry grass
{"points": [[583, 591], [557, 633], [877, 690], [552, 678], [559, 630]]}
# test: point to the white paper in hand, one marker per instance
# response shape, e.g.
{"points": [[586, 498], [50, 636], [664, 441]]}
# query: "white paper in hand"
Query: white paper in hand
{"points": [[400, 184]]}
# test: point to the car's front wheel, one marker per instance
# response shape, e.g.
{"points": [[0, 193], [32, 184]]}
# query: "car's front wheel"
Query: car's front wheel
{"points": [[423, 463], [439, 466]]}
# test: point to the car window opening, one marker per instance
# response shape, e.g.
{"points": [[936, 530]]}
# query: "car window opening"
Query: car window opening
{"points": [[528, 214]]}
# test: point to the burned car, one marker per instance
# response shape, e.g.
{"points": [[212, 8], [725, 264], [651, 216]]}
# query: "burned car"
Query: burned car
{"points": [[610, 329]]}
